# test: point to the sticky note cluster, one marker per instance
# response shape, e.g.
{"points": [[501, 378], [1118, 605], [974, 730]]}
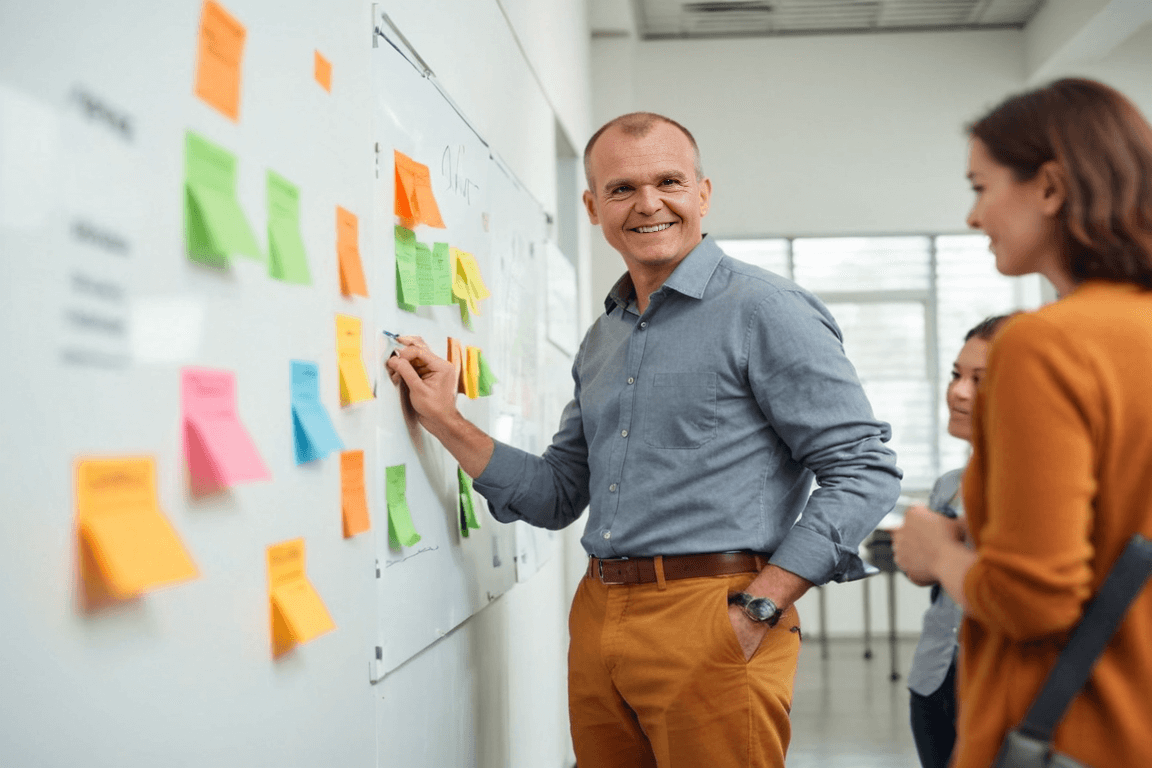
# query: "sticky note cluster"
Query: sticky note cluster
{"points": [[217, 447], [133, 544], [214, 225], [475, 378], [423, 273], [312, 429], [401, 531], [354, 384], [298, 612]]}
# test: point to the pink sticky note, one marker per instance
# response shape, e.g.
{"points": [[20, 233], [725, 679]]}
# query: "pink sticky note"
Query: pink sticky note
{"points": [[219, 450]]}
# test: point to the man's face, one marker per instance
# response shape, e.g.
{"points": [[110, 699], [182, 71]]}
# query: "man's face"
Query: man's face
{"points": [[646, 198]]}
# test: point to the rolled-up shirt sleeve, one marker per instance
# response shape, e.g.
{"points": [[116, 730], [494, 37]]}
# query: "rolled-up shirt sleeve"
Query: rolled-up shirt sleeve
{"points": [[812, 398], [549, 491]]}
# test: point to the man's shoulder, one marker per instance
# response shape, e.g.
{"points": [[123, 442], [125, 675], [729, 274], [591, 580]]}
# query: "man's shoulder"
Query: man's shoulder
{"points": [[749, 284]]}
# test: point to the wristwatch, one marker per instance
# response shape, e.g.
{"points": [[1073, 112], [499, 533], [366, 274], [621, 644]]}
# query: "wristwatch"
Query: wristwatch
{"points": [[758, 609]]}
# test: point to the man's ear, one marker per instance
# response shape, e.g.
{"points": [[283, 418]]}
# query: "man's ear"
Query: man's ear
{"points": [[705, 195], [1053, 188], [590, 206]]}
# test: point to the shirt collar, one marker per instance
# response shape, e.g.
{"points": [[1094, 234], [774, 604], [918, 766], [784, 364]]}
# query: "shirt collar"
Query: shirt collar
{"points": [[690, 277]]}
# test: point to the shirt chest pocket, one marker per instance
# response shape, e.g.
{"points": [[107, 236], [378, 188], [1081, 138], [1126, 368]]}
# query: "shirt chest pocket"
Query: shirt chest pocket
{"points": [[681, 410]]}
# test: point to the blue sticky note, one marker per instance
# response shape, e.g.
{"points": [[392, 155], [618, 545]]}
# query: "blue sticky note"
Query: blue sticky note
{"points": [[312, 430]]}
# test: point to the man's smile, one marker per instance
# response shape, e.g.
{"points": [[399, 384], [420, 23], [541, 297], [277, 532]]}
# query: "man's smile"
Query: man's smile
{"points": [[653, 228]]}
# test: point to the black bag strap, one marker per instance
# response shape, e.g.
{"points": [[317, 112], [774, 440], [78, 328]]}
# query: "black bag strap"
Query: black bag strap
{"points": [[1101, 618]]}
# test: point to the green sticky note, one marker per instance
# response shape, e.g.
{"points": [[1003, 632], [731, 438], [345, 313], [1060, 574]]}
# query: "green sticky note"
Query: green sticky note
{"points": [[487, 379], [286, 258], [424, 280], [214, 224], [441, 273], [401, 532], [465, 315], [407, 287], [467, 504]]}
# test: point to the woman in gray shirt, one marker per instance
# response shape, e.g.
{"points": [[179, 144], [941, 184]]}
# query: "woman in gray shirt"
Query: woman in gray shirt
{"points": [[932, 679]]}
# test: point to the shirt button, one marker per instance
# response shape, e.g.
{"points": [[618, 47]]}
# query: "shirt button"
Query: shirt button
{"points": [[631, 380], [644, 324], [607, 534], [612, 488], [623, 433]]}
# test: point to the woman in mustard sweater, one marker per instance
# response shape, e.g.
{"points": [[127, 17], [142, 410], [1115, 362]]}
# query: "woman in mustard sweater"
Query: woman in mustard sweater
{"points": [[1061, 470]]}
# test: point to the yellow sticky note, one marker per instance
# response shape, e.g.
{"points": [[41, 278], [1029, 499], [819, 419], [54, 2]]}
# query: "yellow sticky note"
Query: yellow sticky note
{"points": [[298, 613], [323, 71], [220, 55], [475, 281], [472, 372], [134, 545], [459, 276], [348, 252], [354, 503], [354, 384]]}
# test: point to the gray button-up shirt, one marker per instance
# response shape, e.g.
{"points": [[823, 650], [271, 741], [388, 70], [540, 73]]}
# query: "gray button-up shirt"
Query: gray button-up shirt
{"points": [[700, 425]]}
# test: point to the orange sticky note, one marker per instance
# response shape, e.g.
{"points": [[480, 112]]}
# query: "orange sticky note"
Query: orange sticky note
{"points": [[298, 613], [472, 372], [348, 252], [134, 545], [456, 357], [221, 52], [415, 201], [354, 503], [354, 384], [323, 71]]}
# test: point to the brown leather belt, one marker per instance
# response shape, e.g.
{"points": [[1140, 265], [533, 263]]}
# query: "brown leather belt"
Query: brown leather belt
{"points": [[642, 570]]}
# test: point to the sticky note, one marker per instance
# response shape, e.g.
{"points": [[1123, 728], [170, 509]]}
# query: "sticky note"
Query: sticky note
{"points": [[353, 496], [407, 285], [456, 357], [217, 447], [322, 71], [119, 519], [286, 259], [218, 67], [415, 201], [214, 224], [467, 503], [485, 379], [401, 532], [441, 274], [298, 612], [348, 253], [459, 276], [472, 372], [475, 281], [354, 384], [312, 430]]}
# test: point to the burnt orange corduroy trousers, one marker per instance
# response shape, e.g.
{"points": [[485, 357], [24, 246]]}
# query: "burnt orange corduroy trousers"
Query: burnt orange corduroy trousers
{"points": [[657, 678]]}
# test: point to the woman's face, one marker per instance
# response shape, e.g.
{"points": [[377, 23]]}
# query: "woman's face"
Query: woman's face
{"points": [[1019, 217], [966, 374]]}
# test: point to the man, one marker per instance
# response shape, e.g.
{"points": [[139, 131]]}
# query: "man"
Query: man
{"points": [[707, 397]]}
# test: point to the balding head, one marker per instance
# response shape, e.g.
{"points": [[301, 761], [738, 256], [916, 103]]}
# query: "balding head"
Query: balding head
{"points": [[638, 124]]}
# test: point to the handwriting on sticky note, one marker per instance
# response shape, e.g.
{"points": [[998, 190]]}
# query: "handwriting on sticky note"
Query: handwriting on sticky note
{"points": [[120, 521], [401, 531], [298, 612], [354, 384], [218, 449], [348, 254], [415, 201], [354, 497], [221, 51], [322, 71], [312, 430]]}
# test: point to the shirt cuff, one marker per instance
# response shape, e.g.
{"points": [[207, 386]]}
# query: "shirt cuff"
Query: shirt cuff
{"points": [[819, 559], [501, 479]]}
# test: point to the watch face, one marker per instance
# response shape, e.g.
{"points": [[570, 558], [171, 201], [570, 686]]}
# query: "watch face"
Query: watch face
{"points": [[760, 609]]}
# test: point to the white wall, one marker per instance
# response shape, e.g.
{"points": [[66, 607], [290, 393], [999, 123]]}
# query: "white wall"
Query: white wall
{"points": [[837, 135]]}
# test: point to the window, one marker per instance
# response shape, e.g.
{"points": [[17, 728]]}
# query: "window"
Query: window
{"points": [[903, 305]]}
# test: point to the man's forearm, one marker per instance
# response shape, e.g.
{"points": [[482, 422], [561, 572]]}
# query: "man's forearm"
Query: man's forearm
{"points": [[467, 443], [783, 587]]}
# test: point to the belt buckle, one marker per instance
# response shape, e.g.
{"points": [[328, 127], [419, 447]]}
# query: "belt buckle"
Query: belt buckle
{"points": [[600, 568]]}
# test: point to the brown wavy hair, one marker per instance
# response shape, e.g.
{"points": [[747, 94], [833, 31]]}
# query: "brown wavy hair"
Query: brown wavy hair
{"points": [[1103, 147]]}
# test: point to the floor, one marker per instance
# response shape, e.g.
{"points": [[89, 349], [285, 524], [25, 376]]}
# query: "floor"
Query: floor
{"points": [[847, 712]]}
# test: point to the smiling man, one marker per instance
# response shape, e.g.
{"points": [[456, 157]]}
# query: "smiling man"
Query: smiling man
{"points": [[707, 398]]}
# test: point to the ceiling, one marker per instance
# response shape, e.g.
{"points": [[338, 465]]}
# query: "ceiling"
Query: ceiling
{"points": [[688, 19]]}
